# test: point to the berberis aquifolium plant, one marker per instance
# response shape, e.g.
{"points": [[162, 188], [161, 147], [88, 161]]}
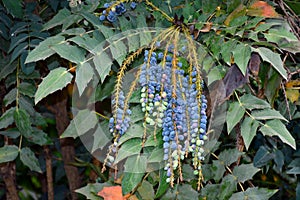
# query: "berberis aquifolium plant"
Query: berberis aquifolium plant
{"points": [[127, 99]]}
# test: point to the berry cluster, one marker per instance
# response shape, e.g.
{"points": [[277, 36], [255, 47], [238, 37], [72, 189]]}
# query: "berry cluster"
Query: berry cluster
{"points": [[172, 100], [113, 10]]}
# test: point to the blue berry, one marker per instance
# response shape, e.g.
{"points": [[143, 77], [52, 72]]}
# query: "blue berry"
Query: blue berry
{"points": [[133, 5]]}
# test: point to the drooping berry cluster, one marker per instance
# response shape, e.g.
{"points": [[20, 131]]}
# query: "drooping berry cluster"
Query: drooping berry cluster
{"points": [[172, 100], [114, 9]]}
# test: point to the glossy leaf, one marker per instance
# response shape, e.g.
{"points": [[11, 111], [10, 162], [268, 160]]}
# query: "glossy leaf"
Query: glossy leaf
{"points": [[129, 148], [277, 128], [8, 153], [252, 102], [229, 156], [242, 54], [262, 157], [244, 172], [248, 130], [81, 123], [44, 50], [14, 7], [58, 19], [29, 159], [234, 115], [254, 194], [146, 190], [69, 52], [272, 58], [91, 189], [23, 123], [7, 118], [267, 114], [55, 80], [84, 75]]}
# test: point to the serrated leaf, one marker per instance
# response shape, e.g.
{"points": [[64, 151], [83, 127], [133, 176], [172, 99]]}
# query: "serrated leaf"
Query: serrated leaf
{"points": [[14, 7], [267, 114], [254, 194], [129, 148], [58, 19], [262, 157], [84, 75], [229, 156], [272, 58], [242, 54], [252, 102], [277, 128], [69, 52], [81, 123], [38, 137], [234, 115], [55, 80], [244, 172], [146, 190], [27, 89], [91, 189], [7, 118], [10, 97], [248, 130], [217, 169], [23, 123], [8, 153], [43, 50], [134, 131], [29, 159], [101, 137], [185, 189], [103, 64], [18, 51], [135, 167]]}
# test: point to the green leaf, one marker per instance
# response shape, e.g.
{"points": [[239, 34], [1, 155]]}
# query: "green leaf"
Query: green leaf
{"points": [[134, 131], [103, 64], [84, 75], [28, 158], [146, 190], [234, 115], [252, 102], [248, 130], [129, 148], [267, 114], [294, 167], [185, 189], [135, 167], [245, 172], [262, 157], [229, 156], [162, 185], [58, 19], [8, 153], [27, 89], [272, 58], [277, 128], [55, 80], [69, 52], [91, 189], [10, 97], [38, 137], [7, 118], [218, 170], [101, 138], [23, 123], [254, 194], [44, 50], [242, 54], [14, 7], [11, 133], [18, 51], [82, 123]]}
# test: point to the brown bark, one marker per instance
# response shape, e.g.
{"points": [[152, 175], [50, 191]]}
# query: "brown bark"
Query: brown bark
{"points": [[8, 173], [59, 108], [49, 173]]}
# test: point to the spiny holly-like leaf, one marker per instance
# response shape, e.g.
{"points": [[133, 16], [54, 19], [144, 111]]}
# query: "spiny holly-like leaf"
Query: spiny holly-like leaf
{"points": [[277, 128], [69, 52], [84, 75], [254, 194], [234, 115], [129, 148], [251, 102], [43, 50], [7, 118], [22, 120], [82, 122], [28, 158], [55, 80], [146, 190], [267, 114], [248, 130], [262, 157], [111, 193], [262, 9], [242, 54], [58, 19], [14, 7], [229, 156], [244, 172], [8, 153], [272, 58]]}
